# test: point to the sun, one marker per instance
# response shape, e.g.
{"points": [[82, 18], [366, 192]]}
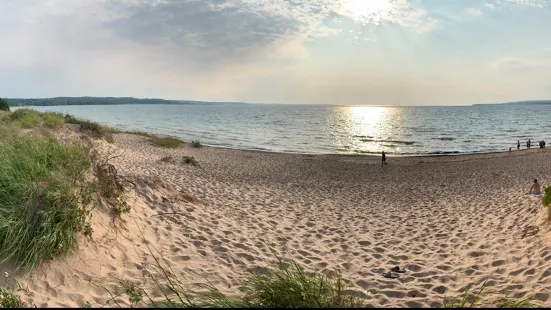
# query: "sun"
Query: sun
{"points": [[362, 10]]}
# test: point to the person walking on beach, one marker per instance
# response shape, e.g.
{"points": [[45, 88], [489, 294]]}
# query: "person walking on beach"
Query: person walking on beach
{"points": [[541, 146], [535, 189], [518, 145], [383, 158], [528, 144]]}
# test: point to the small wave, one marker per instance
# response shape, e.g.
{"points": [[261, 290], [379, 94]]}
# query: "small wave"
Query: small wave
{"points": [[363, 137], [468, 141], [444, 138], [388, 141], [443, 152]]}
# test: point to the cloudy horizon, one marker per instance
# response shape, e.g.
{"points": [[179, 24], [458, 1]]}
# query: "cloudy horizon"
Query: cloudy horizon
{"points": [[352, 52]]}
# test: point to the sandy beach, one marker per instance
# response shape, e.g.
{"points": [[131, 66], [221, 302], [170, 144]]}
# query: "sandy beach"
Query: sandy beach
{"points": [[451, 222]]}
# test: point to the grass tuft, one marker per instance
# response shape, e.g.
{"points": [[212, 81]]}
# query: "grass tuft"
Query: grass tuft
{"points": [[486, 298], [52, 119], [93, 128], [196, 143], [190, 160], [287, 286], [167, 142], [28, 118], [547, 196], [10, 300], [41, 199]]}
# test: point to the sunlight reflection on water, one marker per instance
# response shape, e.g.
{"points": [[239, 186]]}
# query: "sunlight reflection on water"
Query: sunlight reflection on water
{"points": [[367, 129]]}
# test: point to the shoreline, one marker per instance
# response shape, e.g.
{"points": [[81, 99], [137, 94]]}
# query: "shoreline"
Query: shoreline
{"points": [[367, 155]]}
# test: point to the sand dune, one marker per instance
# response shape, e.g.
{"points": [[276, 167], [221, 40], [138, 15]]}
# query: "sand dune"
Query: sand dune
{"points": [[449, 221]]}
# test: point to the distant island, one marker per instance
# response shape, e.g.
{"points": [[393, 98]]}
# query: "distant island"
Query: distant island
{"points": [[18, 102], [528, 102]]}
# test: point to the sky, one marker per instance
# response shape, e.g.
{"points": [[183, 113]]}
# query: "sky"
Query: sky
{"points": [[351, 52]]}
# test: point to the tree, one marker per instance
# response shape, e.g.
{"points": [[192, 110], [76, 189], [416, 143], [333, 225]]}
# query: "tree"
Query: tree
{"points": [[4, 106]]}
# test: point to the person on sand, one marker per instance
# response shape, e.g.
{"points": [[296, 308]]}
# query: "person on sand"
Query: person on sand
{"points": [[528, 144], [535, 189], [541, 146], [518, 145], [383, 158]]}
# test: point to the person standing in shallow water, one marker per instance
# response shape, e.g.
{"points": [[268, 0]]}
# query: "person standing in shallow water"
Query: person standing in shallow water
{"points": [[518, 145], [383, 159]]}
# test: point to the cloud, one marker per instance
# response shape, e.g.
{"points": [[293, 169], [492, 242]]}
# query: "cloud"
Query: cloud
{"points": [[192, 36], [531, 3], [474, 12]]}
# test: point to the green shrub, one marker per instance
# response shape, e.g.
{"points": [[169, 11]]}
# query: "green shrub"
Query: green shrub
{"points": [[196, 144], [10, 300], [547, 196], [28, 118], [41, 199], [52, 119], [167, 142], [4, 105], [190, 160]]}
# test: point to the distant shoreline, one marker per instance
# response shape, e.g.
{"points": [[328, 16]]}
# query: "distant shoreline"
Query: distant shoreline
{"points": [[70, 101]]}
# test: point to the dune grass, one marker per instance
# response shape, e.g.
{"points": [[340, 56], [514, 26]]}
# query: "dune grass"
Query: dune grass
{"points": [[27, 118], [52, 119], [546, 196], [196, 144], [487, 298], [190, 160], [41, 200], [287, 286], [10, 300], [167, 142]]}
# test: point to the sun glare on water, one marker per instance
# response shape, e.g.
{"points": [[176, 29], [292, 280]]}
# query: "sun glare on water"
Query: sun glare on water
{"points": [[367, 10]]}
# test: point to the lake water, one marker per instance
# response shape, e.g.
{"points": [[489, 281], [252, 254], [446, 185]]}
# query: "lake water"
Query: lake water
{"points": [[332, 129]]}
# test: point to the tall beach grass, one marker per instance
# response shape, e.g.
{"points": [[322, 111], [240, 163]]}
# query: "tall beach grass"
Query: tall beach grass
{"points": [[41, 202]]}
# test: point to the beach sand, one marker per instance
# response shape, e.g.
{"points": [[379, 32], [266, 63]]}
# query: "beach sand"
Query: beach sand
{"points": [[451, 222]]}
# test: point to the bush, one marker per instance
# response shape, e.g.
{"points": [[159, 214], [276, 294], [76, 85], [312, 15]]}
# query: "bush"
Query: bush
{"points": [[41, 200], [167, 142], [110, 185], [547, 196], [196, 144], [28, 118], [190, 160], [4, 106], [52, 119]]}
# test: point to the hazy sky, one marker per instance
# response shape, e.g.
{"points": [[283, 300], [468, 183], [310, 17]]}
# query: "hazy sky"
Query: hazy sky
{"points": [[381, 52]]}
